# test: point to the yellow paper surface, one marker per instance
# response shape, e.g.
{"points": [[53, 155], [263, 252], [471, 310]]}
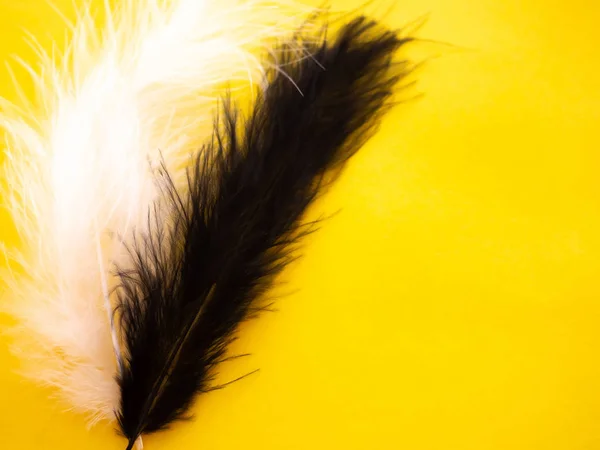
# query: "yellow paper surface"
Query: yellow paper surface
{"points": [[453, 303]]}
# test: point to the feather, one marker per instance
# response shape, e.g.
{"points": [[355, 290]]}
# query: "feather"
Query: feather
{"points": [[195, 278], [80, 162]]}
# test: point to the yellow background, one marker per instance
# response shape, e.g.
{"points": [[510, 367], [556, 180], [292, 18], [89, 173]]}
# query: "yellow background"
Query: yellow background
{"points": [[454, 302]]}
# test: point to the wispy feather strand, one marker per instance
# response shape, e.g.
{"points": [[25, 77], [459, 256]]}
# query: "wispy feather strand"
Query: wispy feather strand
{"points": [[197, 276], [80, 161]]}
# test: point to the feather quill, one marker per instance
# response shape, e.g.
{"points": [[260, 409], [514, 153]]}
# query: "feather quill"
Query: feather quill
{"points": [[196, 277], [80, 161]]}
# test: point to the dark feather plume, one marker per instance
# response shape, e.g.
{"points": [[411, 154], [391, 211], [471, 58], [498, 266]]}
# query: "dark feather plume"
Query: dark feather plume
{"points": [[196, 278]]}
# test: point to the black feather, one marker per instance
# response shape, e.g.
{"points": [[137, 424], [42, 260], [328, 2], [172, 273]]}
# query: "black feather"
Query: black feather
{"points": [[194, 281]]}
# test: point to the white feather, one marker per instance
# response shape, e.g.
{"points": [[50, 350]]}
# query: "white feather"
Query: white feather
{"points": [[78, 168]]}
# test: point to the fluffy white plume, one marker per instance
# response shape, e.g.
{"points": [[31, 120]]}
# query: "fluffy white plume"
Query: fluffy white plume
{"points": [[78, 167]]}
